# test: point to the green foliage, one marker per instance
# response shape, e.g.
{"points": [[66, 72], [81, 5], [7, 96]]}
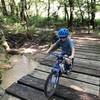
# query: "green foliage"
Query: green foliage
{"points": [[6, 61], [14, 28], [9, 19], [37, 21], [98, 7], [32, 29], [11, 24], [98, 22], [1, 20], [2, 49], [18, 27], [1, 72]]}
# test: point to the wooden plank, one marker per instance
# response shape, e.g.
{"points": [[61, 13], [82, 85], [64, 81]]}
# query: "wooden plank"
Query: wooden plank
{"points": [[9, 97], [78, 69], [74, 76], [88, 43], [27, 93], [87, 71], [84, 55], [88, 51], [69, 82], [79, 95], [95, 48], [79, 55], [62, 91], [90, 56], [77, 61], [33, 82], [86, 63]]}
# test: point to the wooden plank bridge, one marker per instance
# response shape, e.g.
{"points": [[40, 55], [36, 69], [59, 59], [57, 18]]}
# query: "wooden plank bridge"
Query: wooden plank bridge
{"points": [[82, 84]]}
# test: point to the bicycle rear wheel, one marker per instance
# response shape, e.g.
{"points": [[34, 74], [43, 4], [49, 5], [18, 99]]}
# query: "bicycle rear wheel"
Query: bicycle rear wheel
{"points": [[51, 84]]}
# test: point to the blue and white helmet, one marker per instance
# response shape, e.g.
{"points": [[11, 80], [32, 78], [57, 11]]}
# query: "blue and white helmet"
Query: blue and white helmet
{"points": [[63, 32]]}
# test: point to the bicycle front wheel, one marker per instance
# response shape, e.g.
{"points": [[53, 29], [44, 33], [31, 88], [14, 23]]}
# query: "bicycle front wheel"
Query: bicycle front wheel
{"points": [[51, 84]]}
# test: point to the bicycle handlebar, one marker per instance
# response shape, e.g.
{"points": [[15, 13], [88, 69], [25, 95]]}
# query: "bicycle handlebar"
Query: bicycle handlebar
{"points": [[58, 55]]}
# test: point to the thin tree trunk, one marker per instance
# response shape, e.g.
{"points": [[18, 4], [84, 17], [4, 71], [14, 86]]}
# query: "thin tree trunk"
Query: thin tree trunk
{"points": [[12, 7], [71, 4], [36, 7], [48, 9], [88, 16], [24, 17], [93, 7], [66, 13], [4, 10], [82, 18]]}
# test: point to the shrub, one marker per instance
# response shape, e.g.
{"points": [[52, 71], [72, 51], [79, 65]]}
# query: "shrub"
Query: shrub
{"points": [[97, 22]]}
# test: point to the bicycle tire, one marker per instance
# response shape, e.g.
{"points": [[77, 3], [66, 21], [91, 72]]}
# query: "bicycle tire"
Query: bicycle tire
{"points": [[51, 93]]}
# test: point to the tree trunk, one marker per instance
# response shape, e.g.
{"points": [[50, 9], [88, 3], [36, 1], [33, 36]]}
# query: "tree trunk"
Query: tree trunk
{"points": [[48, 9], [12, 7], [82, 18], [88, 5], [36, 7], [71, 4], [66, 13], [93, 10], [4, 10], [24, 17], [22, 7]]}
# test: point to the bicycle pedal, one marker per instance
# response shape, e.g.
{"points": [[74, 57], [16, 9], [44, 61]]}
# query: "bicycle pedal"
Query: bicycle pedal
{"points": [[68, 72]]}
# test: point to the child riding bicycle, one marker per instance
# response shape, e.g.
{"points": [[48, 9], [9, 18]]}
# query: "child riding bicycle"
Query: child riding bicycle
{"points": [[67, 48]]}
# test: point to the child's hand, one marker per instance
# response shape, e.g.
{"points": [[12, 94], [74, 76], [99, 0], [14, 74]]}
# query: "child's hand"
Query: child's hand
{"points": [[70, 57], [47, 52], [68, 60]]}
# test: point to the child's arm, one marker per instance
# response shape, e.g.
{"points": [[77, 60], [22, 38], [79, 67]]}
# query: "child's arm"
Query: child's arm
{"points": [[51, 48], [69, 59], [73, 53], [73, 49]]}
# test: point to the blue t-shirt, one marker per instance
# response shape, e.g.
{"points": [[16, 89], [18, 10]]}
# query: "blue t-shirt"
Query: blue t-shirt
{"points": [[66, 46]]}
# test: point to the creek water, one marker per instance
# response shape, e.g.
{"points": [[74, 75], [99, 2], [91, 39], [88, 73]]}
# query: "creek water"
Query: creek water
{"points": [[21, 66]]}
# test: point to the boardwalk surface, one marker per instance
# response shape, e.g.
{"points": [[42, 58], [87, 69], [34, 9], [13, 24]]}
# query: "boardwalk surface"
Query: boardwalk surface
{"points": [[82, 84]]}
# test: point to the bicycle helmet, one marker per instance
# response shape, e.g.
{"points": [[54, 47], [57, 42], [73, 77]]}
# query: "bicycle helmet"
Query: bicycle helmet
{"points": [[63, 32]]}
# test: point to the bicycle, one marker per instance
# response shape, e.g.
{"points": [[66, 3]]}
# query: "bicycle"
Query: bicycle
{"points": [[53, 78]]}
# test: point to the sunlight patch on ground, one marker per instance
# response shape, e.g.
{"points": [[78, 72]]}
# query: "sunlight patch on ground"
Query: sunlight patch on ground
{"points": [[87, 38], [28, 50], [43, 48], [76, 88], [85, 97]]}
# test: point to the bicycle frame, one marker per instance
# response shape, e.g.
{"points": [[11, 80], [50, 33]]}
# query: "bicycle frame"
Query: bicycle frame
{"points": [[59, 60], [53, 78]]}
